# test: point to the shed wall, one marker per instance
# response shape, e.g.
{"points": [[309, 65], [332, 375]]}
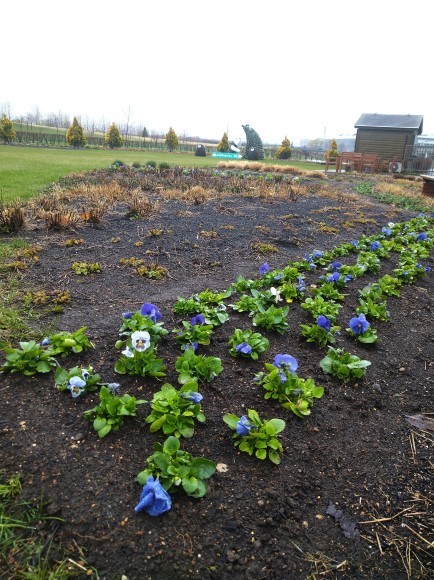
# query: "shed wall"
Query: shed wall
{"points": [[388, 144]]}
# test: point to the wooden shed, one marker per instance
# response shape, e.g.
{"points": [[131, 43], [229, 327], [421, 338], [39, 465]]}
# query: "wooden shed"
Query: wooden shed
{"points": [[389, 136]]}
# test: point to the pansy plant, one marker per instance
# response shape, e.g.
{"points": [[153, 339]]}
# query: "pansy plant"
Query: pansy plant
{"points": [[195, 331], [30, 358], [176, 469], [318, 306], [63, 343], [138, 357], [77, 380], [282, 383], [176, 411], [271, 318], [343, 365], [256, 436], [322, 332], [246, 343], [110, 413], [198, 368]]}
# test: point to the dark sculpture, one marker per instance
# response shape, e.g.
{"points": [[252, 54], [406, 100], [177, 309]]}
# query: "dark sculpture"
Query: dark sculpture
{"points": [[254, 148]]}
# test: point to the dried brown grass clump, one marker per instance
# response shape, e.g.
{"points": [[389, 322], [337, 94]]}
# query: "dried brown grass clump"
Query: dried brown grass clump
{"points": [[62, 219], [109, 192], [140, 205], [12, 217], [403, 187]]}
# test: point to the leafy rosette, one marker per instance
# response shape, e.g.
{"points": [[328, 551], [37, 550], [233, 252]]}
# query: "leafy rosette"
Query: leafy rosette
{"points": [[176, 469], [255, 436]]}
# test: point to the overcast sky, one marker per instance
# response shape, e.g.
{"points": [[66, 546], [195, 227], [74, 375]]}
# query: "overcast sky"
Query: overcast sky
{"points": [[286, 68]]}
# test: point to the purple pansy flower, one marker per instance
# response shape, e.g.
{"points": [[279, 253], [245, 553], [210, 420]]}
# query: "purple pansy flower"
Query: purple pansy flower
{"points": [[386, 231], [421, 237], [375, 245], [244, 348], [264, 269], [285, 362], [193, 345], [316, 254], [154, 499], [151, 311], [335, 266], [198, 319], [323, 322], [243, 426], [113, 388], [127, 315], [359, 324], [334, 277]]}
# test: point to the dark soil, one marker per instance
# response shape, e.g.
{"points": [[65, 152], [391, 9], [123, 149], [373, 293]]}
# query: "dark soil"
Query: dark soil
{"points": [[356, 453]]}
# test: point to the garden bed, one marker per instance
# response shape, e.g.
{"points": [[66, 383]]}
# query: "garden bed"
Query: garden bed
{"points": [[352, 496]]}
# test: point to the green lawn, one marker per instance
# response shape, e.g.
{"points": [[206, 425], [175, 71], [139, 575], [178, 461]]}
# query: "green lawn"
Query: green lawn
{"points": [[25, 171]]}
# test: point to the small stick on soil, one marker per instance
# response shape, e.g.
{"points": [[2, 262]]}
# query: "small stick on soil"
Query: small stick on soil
{"points": [[376, 521], [430, 544]]}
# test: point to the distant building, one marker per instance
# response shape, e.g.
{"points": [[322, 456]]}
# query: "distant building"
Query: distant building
{"points": [[389, 136]]}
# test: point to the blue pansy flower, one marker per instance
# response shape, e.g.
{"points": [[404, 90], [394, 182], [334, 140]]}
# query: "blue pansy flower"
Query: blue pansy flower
{"points": [[193, 345], [286, 363], [198, 319], [45, 342], [278, 277], [354, 243], [193, 397], [375, 245], [127, 315], [348, 278], [421, 237], [151, 311], [334, 277], [243, 426], [301, 285], [324, 322], [359, 324], [316, 254], [427, 269], [386, 231], [113, 388], [335, 266], [154, 499], [264, 269], [244, 348]]}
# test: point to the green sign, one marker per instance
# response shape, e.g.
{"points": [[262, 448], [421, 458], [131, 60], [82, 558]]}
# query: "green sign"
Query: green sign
{"points": [[226, 155]]}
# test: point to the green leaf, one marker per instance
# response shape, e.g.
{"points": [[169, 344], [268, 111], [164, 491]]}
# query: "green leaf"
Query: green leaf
{"points": [[190, 485], [278, 425], [261, 454], [99, 423], [203, 468], [43, 367], [171, 445], [231, 420], [274, 457], [158, 423], [104, 431]]}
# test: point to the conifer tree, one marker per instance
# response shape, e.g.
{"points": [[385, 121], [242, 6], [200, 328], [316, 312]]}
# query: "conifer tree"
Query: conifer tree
{"points": [[284, 151], [171, 140], [113, 138], [75, 135], [223, 146], [145, 132], [7, 134], [332, 152]]}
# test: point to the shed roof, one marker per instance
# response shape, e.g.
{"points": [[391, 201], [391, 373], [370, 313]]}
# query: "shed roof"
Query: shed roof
{"points": [[375, 120]]}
